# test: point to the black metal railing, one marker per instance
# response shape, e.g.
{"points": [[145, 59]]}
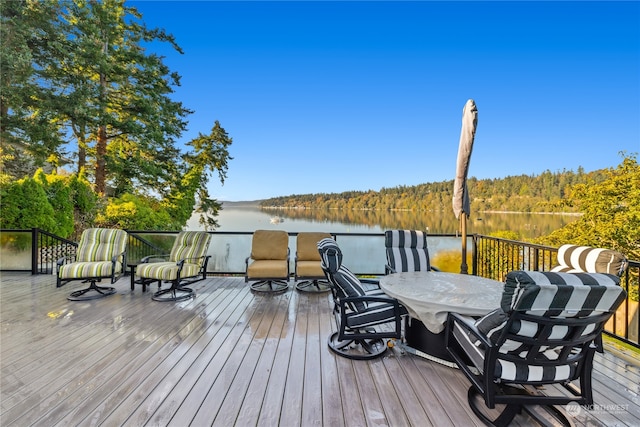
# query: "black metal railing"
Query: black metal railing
{"points": [[491, 257], [49, 249], [138, 247], [494, 258]]}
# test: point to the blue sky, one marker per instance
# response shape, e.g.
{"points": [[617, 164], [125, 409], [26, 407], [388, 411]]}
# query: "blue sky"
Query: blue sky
{"points": [[326, 97]]}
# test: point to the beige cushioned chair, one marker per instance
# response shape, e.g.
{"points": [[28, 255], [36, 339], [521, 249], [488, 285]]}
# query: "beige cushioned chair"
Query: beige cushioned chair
{"points": [[308, 272], [267, 268]]}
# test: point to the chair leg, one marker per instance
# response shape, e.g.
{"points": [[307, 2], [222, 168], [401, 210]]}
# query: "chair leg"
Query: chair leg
{"points": [[100, 292]]}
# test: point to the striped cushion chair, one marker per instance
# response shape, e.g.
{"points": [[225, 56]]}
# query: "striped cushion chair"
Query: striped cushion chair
{"points": [[406, 250], [546, 331], [358, 310], [101, 254], [186, 264], [585, 259]]}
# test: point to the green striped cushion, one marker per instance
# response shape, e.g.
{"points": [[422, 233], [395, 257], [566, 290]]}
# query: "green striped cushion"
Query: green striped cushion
{"points": [[94, 256], [190, 245], [78, 270], [167, 270], [101, 244]]}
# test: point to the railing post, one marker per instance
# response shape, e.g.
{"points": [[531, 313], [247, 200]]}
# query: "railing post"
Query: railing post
{"points": [[474, 254], [34, 251]]}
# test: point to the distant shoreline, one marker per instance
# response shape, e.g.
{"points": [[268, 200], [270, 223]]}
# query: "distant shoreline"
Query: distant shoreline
{"points": [[537, 213], [256, 204]]}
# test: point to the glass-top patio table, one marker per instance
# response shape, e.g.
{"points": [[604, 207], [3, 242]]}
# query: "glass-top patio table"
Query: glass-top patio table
{"points": [[430, 296]]}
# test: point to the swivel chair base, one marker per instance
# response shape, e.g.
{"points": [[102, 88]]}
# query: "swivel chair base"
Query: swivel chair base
{"points": [[313, 286], [507, 412], [361, 349], [270, 286], [100, 292], [173, 294]]}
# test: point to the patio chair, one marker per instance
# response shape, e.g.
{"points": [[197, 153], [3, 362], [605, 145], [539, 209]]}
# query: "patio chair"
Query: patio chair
{"points": [[406, 250], [186, 264], [308, 272], [267, 268], [101, 254], [364, 318], [546, 332], [585, 259]]}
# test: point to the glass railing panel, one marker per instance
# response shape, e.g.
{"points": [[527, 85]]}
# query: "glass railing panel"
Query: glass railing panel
{"points": [[228, 252], [362, 253], [15, 250]]}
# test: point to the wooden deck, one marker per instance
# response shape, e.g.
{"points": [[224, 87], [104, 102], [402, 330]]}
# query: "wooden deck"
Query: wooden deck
{"points": [[227, 357]]}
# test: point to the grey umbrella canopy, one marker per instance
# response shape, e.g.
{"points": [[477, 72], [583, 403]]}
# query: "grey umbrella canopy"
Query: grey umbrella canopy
{"points": [[461, 203]]}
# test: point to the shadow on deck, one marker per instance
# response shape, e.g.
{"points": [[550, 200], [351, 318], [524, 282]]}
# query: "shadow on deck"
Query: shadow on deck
{"points": [[227, 357]]}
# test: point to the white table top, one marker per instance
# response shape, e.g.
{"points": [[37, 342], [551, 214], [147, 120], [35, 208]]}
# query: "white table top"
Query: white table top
{"points": [[430, 296]]}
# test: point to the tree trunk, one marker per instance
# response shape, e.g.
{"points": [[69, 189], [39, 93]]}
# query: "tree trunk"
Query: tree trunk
{"points": [[82, 153], [101, 143], [101, 152]]}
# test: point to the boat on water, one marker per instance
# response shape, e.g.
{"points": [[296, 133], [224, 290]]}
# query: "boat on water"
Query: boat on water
{"points": [[276, 220]]}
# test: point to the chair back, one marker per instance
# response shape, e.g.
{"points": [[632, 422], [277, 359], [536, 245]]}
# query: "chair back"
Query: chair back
{"points": [[343, 282], [101, 244], [548, 322], [407, 250], [307, 245], [191, 246], [585, 259], [270, 245]]}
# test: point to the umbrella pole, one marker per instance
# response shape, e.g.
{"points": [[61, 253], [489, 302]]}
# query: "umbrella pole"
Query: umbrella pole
{"points": [[463, 229]]}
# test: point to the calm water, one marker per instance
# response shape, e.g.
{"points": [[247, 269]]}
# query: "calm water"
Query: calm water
{"points": [[234, 218]]}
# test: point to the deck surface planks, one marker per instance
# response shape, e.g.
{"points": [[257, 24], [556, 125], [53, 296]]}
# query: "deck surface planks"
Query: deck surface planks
{"points": [[227, 357]]}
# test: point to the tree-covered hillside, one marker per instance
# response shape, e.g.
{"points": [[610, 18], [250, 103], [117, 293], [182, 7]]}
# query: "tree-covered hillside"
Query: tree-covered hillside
{"points": [[608, 199], [542, 193]]}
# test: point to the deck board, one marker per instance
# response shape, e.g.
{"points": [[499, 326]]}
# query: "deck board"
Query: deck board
{"points": [[227, 357]]}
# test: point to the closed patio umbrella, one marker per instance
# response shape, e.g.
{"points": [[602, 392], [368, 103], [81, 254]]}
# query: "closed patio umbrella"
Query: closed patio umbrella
{"points": [[461, 203]]}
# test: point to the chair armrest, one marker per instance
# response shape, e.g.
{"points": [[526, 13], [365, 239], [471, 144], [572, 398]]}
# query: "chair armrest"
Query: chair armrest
{"points": [[194, 258], [369, 298], [469, 327], [150, 257], [398, 310], [121, 254], [374, 282], [64, 259]]}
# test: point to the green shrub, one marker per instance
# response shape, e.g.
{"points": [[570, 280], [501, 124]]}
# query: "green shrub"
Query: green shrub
{"points": [[132, 212], [27, 206], [59, 195]]}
